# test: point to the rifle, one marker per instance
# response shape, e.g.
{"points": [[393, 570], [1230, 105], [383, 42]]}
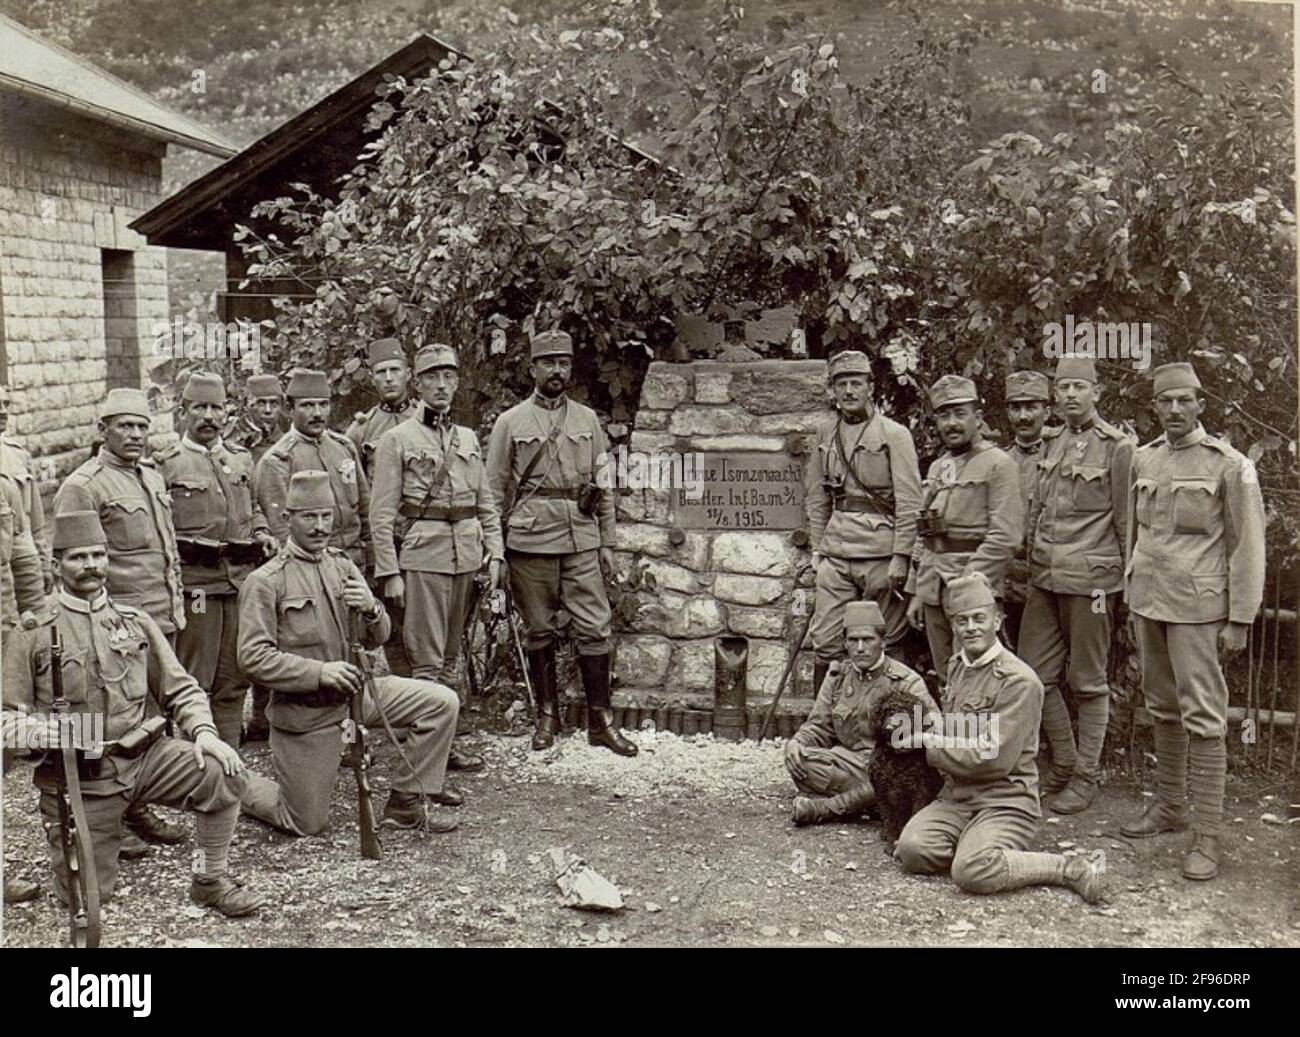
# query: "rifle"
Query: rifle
{"points": [[359, 760], [506, 615], [74, 831]]}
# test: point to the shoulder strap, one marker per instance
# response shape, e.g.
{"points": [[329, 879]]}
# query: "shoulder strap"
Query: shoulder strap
{"points": [[440, 476], [531, 467], [875, 498]]}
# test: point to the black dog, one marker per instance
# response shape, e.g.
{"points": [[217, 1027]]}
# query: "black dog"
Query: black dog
{"points": [[902, 780]]}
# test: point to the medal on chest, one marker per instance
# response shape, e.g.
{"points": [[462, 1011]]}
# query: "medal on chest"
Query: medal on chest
{"points": [[1080, 448]]}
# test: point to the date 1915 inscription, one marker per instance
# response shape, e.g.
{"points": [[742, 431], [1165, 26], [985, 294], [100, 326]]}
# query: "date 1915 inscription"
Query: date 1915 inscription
{"points": [[745, 491]]}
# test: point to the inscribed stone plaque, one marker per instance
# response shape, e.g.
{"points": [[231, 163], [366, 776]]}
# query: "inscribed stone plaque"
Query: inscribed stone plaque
{"points": [[744, 491]]}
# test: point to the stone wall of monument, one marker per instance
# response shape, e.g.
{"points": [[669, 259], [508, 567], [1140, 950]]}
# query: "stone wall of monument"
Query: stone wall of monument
{"points": [[712, 579]]}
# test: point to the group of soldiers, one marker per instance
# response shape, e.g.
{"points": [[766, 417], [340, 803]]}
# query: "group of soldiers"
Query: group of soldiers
{"points": [[1034, 548], [247, 554], [250, 554]]}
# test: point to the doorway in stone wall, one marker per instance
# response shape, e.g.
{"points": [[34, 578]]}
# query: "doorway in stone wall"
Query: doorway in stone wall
{"points": [[121, 320]]}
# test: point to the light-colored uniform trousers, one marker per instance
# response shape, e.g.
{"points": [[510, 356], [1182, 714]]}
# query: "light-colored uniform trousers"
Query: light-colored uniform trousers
{"points": [[832, 771], [432, 623], [542, 584], [971, 840], [1182, 681], [165, 774], [208, 648], [307, 762], [842, 580]]}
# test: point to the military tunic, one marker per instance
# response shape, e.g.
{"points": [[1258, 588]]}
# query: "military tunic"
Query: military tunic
{"points": [[1195, 560], [247, 433], [977, 496], [21, 582], [115, 658], [860, 517], [369, 426], [334, 454], [212, 498], [989, 801], [837, 735], [550, 545], [134, 507], [17, 463], [437, 557], [1026, 456], [293, 621]]}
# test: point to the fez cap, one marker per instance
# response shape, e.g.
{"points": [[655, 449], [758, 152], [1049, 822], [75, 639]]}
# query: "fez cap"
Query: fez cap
{"points": [[435, 355], [309, 491], [551, 343], [263, 385], [848, 361], [858, 614], [383, 349], [968, 592], [125, 401], [950, 389], [78, 529], [1027, 385], [203, 387], [1072, 366], [1174, 376], [308, 385]]}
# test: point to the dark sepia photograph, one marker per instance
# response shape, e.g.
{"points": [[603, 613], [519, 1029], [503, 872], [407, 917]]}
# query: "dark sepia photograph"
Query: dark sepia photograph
{"points": [[654, 474]]}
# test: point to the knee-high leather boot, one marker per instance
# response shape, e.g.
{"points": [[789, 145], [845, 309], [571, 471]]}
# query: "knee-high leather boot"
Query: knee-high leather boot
{"points": [[541, 671], [600, 717]]}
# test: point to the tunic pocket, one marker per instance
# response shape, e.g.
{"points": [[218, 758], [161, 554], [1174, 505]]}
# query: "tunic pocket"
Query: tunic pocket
{"points": [[241, 506], [1091, 492], [127, 525], [189, 504], [872, 467], [1144, 506], [298, 622], [1193, 505], [968, 504]]}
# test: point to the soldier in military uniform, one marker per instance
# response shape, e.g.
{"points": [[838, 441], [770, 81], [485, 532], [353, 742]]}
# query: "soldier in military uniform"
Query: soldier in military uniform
{"points": [[972, 514], [1028, 394], [1194, 582], [16, 463], [431, 502], [294, 637], [986, 815], [312, 446], [114, 655], [124, 488], [260, 426], [543, 459], [391, 376], [221, 535], [1076, 538], [862, 492], [828, 756], [21, 591]]}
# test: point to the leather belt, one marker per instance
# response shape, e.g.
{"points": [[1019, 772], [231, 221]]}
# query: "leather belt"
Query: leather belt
{"points": [[322, 698], [952, 545], [864, 505], [556, 493], [438, 512], [203, 551]]}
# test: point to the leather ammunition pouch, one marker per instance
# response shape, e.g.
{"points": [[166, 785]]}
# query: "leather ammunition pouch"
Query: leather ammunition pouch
{"points": [[322, 698], [209, 553], [588, 499], [952, 545]]}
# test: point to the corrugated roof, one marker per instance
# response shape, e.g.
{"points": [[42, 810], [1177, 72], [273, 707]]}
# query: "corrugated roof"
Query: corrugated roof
{"points": [[38, 68]]}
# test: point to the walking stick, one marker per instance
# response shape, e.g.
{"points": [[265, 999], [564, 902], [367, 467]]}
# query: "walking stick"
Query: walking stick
{"points": [[794, 658]]}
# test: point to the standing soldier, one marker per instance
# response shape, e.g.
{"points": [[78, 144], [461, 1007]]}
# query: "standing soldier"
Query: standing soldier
{"points": [[982, 823], [430, 500], [16, 463], [862, 492], [1028, 393], [144, 569], [392, 378], [221, 536], [972, 515], [260, 426], [113, 655], [295, 639], [312, 446], [1076, 538], [543, 460], [1195, 579]]}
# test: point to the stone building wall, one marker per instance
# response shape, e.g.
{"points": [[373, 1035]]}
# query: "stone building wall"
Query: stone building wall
{"points": [[715, 582], [68, 188]]}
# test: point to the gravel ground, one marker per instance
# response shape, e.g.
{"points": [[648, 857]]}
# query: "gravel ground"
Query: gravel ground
{"points": [[696, 834]]}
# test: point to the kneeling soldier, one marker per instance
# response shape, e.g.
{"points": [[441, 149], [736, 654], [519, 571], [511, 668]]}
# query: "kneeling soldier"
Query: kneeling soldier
{"points": [[987, 812], [1195, 581], [294, 639], [829, 755], [114, 654]]}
